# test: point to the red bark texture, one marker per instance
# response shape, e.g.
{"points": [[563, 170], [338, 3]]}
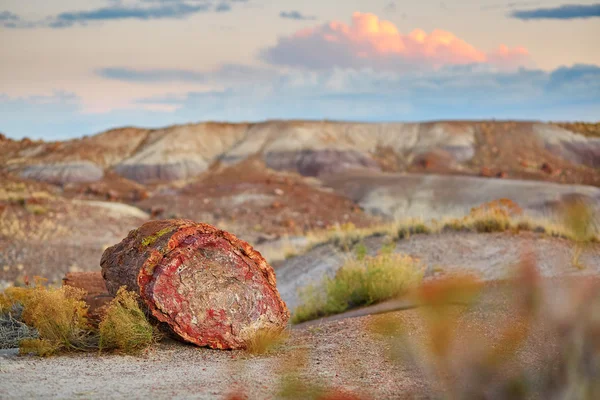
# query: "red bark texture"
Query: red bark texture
{"points": [[210, 288], [97, 295]]}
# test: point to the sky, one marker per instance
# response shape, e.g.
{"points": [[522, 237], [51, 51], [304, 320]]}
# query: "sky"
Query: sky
{"points": [[71, 68]]}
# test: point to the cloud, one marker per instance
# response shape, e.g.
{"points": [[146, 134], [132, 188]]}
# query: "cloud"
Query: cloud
{"points": [[226, 73], [568, 11], [8, 16], [60, 115], [151, 75], [297, 15], [11, 20], [451, 92], [117, 10], [375, 43]]}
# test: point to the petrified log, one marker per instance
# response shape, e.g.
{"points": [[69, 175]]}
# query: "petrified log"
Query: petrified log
{"points": [[210, 288], [97, 294]]}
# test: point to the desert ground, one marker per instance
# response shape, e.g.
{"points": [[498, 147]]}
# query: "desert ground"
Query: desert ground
{"points": [[310, 196]]}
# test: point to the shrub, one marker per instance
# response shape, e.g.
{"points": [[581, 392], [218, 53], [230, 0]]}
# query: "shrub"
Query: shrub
{"points": [[40, 347], [51, 320], [490, 224], [360, 282], [124, 325], [59, 316], [412, 227], [12, 329]]}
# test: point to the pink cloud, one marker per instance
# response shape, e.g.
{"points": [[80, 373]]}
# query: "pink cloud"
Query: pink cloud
{"points": [[372, 42], [508, 58]]}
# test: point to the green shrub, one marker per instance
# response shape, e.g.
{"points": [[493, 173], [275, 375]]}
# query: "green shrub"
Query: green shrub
{"points": [[358, 283], [124, 325]]}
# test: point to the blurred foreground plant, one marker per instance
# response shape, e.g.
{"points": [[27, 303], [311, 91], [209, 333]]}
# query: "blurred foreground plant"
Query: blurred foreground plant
{"points": [[579, 218], [483, 349]]}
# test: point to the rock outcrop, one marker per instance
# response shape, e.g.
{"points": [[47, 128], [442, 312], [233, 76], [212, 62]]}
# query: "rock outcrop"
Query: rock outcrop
{"points": [[570, 146], [179, 152], [314, 148], [319, 162], [209, 287], [62, 173], [402, 196]]}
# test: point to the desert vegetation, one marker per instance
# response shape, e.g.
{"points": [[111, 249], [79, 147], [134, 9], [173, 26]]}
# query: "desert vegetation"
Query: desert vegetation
{"points": [[124, 326], [42, 320], [365, 280], [57, 321], [491, 365], [502, 215], [360, 281], [442, 336], [467, 339], [265, 340]]}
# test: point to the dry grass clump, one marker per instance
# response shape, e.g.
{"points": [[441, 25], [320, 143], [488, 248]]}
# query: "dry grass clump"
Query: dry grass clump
{"points": [[502, 215], [579, 219], [59, 316], [346, 236], [361, 281], [412, 227], [57, 321], [12, 329], [266, 340], [495, 216], [38, 347], [124, 325]]}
